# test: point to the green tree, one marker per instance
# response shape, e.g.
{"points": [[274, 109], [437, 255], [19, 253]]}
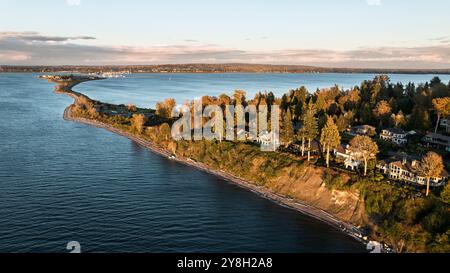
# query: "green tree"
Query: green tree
{"points": [[288, 128], [445, 194], [330, 138], [420, 119], [310, 126], [366, 114]]}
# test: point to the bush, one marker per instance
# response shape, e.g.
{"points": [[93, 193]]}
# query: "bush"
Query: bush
{"points": [[445, 194]]}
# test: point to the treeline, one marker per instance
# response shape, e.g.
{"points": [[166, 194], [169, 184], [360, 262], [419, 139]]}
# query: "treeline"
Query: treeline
{"points": [[376, 102]]}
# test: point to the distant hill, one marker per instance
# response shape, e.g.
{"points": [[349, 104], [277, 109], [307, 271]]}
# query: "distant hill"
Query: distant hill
{"points": [[214, 68]]}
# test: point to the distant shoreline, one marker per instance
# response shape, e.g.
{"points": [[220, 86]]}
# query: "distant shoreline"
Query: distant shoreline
{"points": [[216, 73], [214, 69]]}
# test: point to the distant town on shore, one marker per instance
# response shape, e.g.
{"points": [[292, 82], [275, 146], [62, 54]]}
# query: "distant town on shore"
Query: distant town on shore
{"points": [[213, 68]]}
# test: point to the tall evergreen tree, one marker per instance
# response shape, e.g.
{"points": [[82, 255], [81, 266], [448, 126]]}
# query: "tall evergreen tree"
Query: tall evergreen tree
{"points": [[288, 128], [310, 126], [330, 138]]}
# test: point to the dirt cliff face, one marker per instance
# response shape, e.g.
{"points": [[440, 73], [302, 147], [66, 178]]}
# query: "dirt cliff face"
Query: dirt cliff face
{"points": [[308, 186], [282, 174]]}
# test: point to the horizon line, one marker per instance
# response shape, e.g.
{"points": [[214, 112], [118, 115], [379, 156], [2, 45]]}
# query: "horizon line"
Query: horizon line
{"points": [[298, 66]]}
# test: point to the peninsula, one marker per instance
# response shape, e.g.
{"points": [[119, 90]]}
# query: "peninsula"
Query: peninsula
{"points": [[344, 192]]}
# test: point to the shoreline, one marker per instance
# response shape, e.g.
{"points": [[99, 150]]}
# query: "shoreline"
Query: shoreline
{"points": [[298, 206], [431, 73]]}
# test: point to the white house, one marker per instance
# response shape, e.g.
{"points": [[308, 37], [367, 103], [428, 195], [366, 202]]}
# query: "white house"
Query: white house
{"points": [[394, 135], [343, 152], [407, 170], [268, 140]]}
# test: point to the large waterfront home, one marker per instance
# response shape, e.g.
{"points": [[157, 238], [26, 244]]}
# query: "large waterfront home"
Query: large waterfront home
{"points": [[406, 169], [344, 154], [394, 135], [438, 141]]}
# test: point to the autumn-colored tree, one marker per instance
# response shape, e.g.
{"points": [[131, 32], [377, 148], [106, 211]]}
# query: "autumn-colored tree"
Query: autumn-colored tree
{"points": [[132, 108], [310, 127], [399, 120], [442, 107], [224, 100], [364, 148], [382, 111], [164, 109], [84, 103], [170, 104], [239, 97], [330, 138], [350, 100], [161, 110], [138, 122], [431, 166], [342, 123], [164, 131]]}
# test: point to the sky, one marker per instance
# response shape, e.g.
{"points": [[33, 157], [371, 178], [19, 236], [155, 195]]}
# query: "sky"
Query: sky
{"points": [[331, 33]]}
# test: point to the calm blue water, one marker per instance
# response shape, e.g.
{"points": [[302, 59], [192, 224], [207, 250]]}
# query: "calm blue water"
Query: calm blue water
{"points": [[147, 89], [62, 181]]}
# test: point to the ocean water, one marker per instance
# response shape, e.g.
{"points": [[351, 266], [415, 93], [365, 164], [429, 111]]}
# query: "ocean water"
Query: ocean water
{"points": [[62, 181], [146, 89]]}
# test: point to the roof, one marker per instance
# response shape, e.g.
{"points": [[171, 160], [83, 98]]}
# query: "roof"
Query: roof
{"points": [[365, 127], [382, 163], [438, 136], [315, 145], [342, 149], [395, 131]]}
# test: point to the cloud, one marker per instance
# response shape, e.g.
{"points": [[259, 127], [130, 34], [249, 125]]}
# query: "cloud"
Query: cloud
{"points": [[442, 39], [373, 2], [36, 37], [31, 48], [73, 2]]}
